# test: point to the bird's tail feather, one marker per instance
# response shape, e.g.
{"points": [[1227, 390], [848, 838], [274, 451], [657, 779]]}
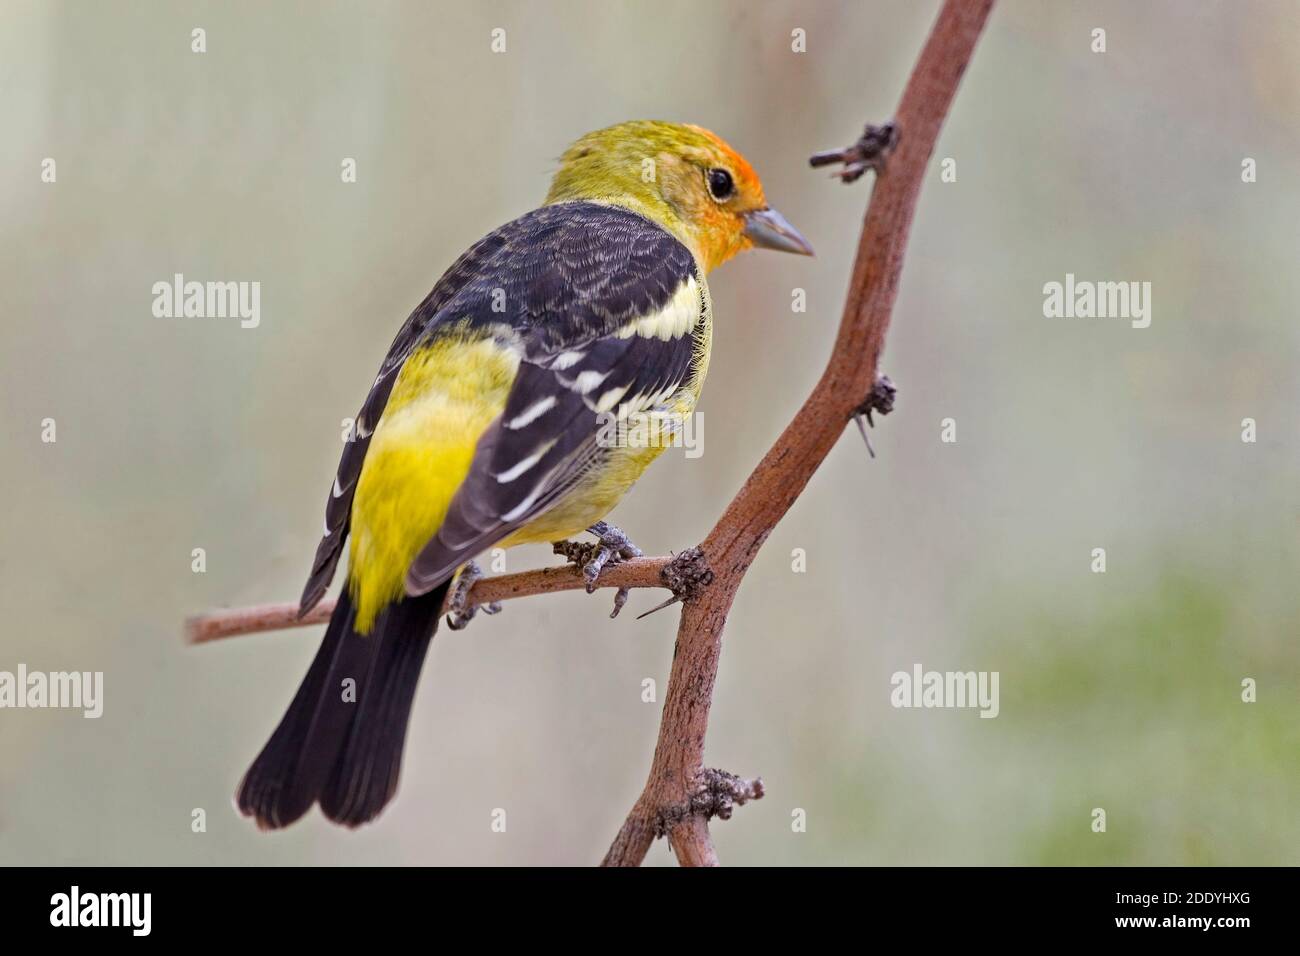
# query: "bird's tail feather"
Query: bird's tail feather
{"points": [[345, 749]]}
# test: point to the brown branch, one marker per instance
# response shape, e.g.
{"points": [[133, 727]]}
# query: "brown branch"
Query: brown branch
{"points": [[677, 773], [633, 573]]}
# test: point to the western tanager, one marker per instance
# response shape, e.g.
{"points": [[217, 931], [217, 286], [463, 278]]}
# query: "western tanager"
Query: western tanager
{"points": [[481, 429]]}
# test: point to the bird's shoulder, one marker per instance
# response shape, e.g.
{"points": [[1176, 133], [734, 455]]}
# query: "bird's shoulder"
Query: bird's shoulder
{"points": [[560, 275]]}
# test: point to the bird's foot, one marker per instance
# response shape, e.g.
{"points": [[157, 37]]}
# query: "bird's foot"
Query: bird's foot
{"points": [[871, 151], [459, 610], [611, 547], [880, 399]]}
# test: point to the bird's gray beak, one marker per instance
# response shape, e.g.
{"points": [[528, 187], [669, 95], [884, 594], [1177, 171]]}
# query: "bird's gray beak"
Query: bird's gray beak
{"points": [[768, 229]]}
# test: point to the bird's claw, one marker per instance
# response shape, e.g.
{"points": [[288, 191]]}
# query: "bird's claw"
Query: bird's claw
{"points": [[611, 546], [459, 610]]}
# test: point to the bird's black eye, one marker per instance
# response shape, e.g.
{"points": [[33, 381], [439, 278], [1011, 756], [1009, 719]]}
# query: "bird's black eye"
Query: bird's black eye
{"points": [[720, 184]]}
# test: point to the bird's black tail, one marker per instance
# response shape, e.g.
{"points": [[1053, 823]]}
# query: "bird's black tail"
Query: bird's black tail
{"points": [[339, 743]]}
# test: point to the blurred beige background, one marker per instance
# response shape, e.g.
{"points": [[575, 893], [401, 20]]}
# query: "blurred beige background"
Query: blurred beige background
{"points": [[1119, 690]]}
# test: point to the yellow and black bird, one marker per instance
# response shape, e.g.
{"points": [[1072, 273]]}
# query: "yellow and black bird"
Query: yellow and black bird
{"points": [[481, 429]]}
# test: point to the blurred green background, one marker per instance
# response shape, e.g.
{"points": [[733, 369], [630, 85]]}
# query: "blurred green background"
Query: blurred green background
{"points": [[1118, 690]]}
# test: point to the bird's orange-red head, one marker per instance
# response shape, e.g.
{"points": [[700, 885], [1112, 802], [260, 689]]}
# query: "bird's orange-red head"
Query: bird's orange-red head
{"points": [[683, 177]]}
